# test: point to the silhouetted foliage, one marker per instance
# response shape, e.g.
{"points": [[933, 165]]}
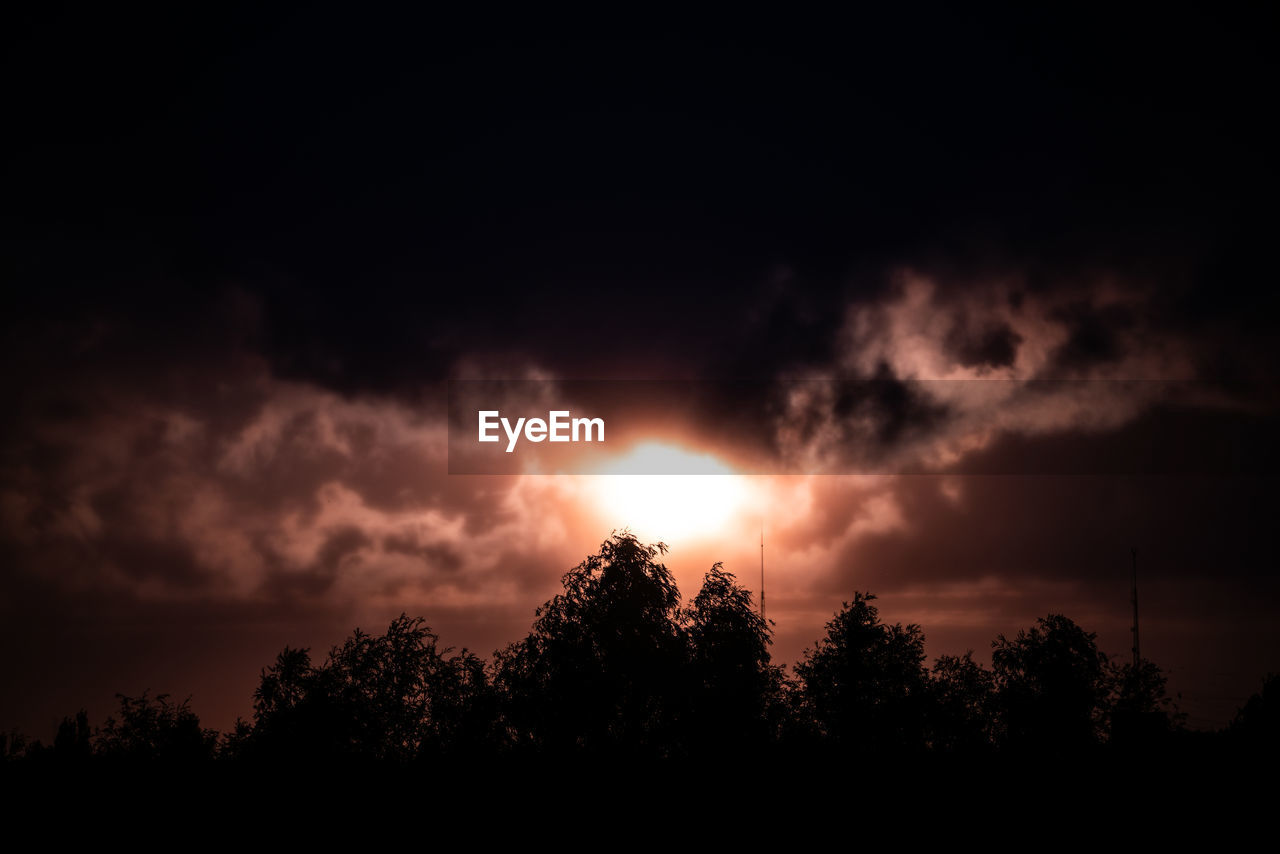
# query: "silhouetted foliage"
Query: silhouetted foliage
{"points": [[295, 715], [75, 738], [1256, 725], [962, 707], [236, 744], [864, 683], [1051, 681], [155, 729], [464, 707], [1138, 712], [736, 699], [14, 746], [614, 668], [394, 696], [601, 669]]}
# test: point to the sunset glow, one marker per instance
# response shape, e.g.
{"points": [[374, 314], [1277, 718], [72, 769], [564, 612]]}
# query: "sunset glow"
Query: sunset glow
{"points": [[323, 321], [699, 503]]}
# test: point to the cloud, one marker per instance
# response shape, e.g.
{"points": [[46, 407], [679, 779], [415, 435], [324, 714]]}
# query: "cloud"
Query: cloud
{"points": [[925, 378], [216, 489], [245, 488]]}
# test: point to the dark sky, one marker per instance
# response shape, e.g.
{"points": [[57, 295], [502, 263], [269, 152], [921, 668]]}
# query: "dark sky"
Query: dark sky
{"points": [[244, 249]]}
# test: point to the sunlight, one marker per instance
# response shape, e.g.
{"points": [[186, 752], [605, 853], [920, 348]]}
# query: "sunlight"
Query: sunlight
{"points": [[695, 495]]}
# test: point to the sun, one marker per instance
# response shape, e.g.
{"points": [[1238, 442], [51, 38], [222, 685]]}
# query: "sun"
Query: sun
{"points": [[663, 492]]}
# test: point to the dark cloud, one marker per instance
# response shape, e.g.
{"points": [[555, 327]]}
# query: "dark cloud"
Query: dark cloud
{"points": [[741, 186], [433, 554], [994, 346], [1094, 336]]}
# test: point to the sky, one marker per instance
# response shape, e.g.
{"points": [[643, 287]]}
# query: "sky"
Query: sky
{"points": [[999, 287]]}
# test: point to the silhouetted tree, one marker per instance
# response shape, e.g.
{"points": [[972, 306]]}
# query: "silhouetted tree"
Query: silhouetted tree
{"points": [[601, 670], [284, 685], [465, 714], [236, 744], [736, 696], [14, 746], [297, 714], [393, 696], [74, 738], [962, 707], [1051, 681], [864, 684], [1137, 710], [614, 667], [1256, 726], [382, 687], [150, 729]]}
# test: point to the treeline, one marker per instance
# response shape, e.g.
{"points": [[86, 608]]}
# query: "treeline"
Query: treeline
{"points": [[615, 666]]}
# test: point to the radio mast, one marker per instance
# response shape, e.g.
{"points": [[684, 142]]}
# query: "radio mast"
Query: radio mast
{"points": [[762, 572]]}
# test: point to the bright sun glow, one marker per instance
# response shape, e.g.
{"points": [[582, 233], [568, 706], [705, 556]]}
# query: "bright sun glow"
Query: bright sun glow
{"points": [[695, 496]]}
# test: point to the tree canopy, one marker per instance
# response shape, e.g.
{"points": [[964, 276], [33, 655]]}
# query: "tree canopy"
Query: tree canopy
{"points": [[600, 669], [864, 683], [1051, 681], [392, 696], [614, 666]]}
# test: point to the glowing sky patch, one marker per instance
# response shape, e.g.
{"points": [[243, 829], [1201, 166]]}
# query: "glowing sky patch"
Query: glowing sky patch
{"points": [[698, 503]]}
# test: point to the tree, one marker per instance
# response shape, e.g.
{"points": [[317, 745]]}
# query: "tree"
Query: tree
{"points": [[74, 740], [1138, 712], [382, 686], [283, 685], [736, 691], [15, 746], [864, 684], [298, 713], [1051, 682], [962, 705], [464, 707], [394, 696], [601, 669], [155, 729], [1256, 725]]}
